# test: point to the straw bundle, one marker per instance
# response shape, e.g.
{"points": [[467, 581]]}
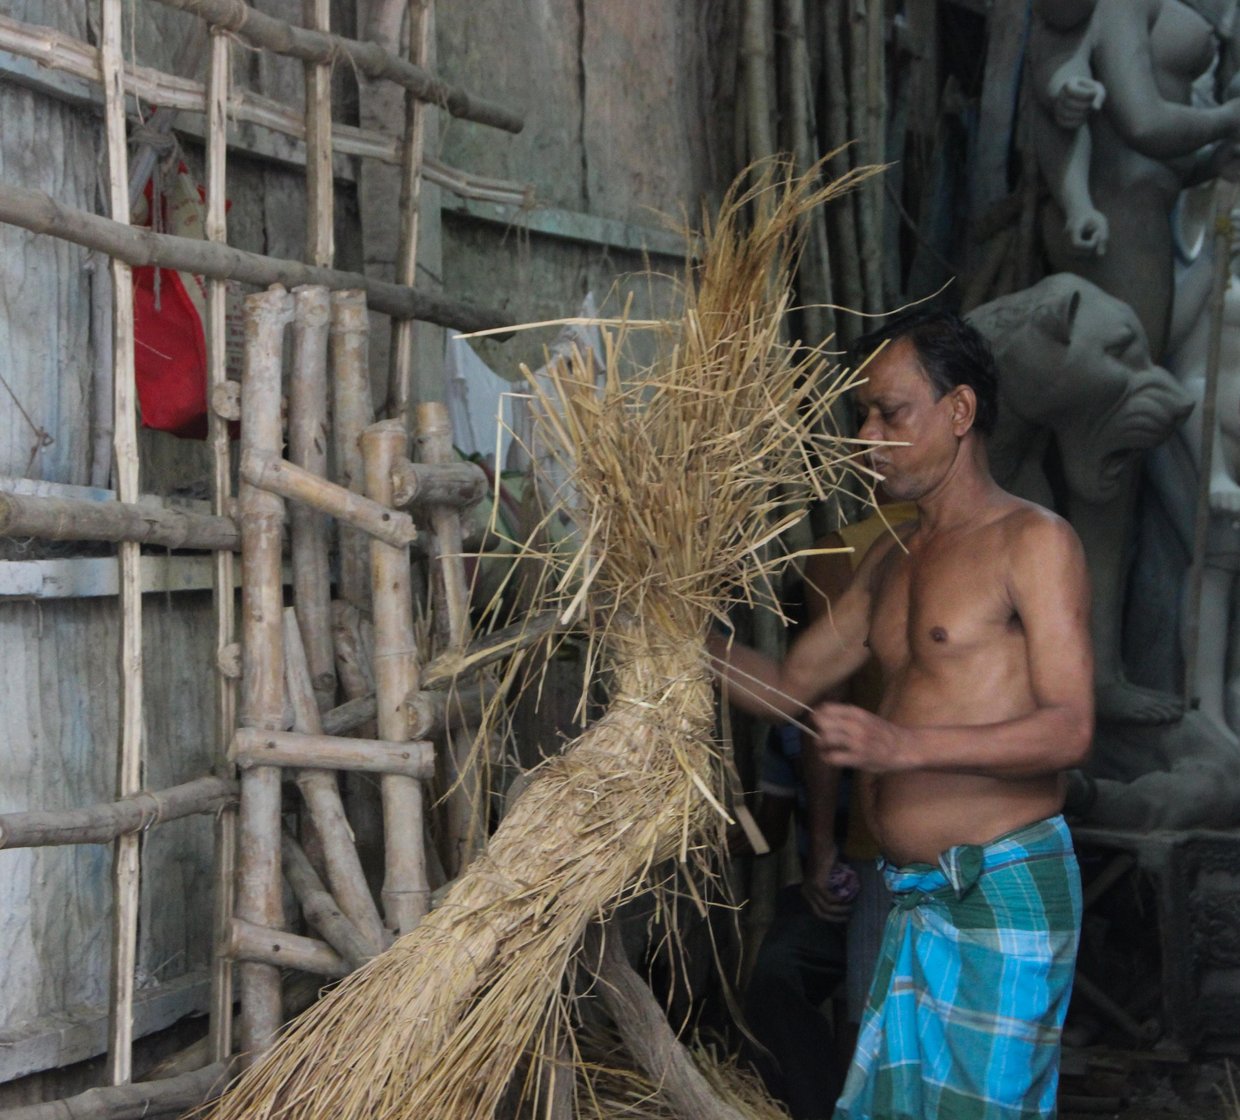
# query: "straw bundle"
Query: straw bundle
{"points": [[673, 469]]}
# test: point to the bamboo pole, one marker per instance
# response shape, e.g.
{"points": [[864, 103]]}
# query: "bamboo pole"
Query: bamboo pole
{"points": [[406, 892], [419, 486], [307, 441], [320, 909], [354, 652], [433, 713], [219, 81], [756, 65], [464, 809], [350, 715], [277, 947], [40, 213], [126, 872], [101, 824], [255, 748], [322, 794], [487, 650], [170, 1097], [400, 376], [867, 106], [320, 246], [61, 53], [353, 411], [72, 519], [101, 390], [311, 490], [261, 514], [367, 59]]}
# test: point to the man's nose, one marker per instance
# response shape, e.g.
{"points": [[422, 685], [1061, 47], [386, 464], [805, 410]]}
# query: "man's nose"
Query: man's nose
{"points": [[870, 429]]}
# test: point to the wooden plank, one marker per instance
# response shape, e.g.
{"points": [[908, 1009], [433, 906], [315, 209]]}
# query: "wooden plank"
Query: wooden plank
{"points": [[99, 577]]}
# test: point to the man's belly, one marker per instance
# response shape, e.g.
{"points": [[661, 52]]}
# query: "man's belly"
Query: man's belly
{"points": [[916, 816]]}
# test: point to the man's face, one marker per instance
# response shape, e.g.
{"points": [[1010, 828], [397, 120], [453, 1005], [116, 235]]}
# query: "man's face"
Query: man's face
{"points": [[898, 404]]}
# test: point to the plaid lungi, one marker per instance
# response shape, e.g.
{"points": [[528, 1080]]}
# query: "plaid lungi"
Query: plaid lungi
{"points": [[973, 979]]}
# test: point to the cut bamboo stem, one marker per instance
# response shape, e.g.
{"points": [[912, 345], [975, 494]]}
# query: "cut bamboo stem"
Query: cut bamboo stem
{"points": [[643, 1027], [170, 1097], [322, 794], [418, 486], [312, 490], [492, 647], [354, 651], [464, 808], [308, 530], [350, 715], [73, 519], [320, 248], [40, 213], [277, 947], [406, 891], [320, 909], [126, 873], [101, 824], [261, 513], [353, 411], [366, 59], [219, 80], [431, 714], [255, 748]]}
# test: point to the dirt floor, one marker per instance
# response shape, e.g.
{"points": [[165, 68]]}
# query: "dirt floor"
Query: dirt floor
{"points": [[1134, 1085]]}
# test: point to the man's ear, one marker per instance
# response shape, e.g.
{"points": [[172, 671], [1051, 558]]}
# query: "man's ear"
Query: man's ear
{"points": [[964, 409]]}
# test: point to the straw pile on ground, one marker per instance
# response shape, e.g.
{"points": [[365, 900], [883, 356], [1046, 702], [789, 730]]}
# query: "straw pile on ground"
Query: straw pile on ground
{"points": [[674, 469]]}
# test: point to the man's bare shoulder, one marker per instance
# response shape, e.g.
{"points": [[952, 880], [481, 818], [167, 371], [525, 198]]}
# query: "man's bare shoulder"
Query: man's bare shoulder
{"points": [[1038, 544]]}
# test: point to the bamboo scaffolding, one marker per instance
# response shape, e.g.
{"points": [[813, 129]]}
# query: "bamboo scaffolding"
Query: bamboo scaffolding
{"points": [[322, 795], [277, 947], [308, 529], [261, 515], [464, 807], [170, 1097], [406, 891], [419, 486], [279, 476], [72, 519], [319, 908], [126, 872], [420, 16], [254, 748], [40, 213], [353, 411], [59, 52], [219, 80], [101, 824], [432, 713], [367, 59]]}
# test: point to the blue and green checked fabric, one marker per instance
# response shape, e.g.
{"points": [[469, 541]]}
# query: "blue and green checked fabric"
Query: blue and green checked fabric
{"points": [[972, 984]]}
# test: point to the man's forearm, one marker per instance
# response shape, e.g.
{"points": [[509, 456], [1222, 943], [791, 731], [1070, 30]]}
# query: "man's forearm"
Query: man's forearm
{"points": [[754, 681], [1044, 742]]}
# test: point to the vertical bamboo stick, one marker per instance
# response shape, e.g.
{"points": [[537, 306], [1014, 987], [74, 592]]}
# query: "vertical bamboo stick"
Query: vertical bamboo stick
{"points": [[400, 378], [126, 871], [866, 103], [450, 610], [261, 513], [218, 85], [756, 66], [406, 892], [307, 439], [322, 794], [320, 248], [353, 411]]}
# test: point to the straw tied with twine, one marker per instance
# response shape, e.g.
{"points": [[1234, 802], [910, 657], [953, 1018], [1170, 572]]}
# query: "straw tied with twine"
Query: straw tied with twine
{"points": [[682, 471]]}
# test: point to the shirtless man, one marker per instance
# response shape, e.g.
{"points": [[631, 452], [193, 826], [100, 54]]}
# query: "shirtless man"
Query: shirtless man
{"points": [[978, 617]]}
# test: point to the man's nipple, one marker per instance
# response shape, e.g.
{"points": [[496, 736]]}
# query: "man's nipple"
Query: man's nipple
{"points": [[938, 634]]}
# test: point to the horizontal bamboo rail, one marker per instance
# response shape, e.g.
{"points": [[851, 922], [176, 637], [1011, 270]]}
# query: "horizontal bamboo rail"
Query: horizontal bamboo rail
{"points": [[486, 651], [270, 472], [101, 824], [433, 713], [252, 746], [350, 715], [422, 485], [54, 50], [368, 59], [40, 213], [248, 942], [320, 908], [72, 519], [170, 1097]]}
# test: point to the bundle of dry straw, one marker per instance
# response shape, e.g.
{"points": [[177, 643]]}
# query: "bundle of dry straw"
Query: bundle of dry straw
{"points": [[674, 467]]}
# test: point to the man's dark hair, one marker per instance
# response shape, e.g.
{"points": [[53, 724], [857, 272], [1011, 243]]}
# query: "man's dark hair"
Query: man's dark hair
{"points": [[950, 351]]}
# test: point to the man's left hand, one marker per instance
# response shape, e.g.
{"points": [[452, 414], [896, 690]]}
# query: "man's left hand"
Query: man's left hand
{"points": [[851, 736]]}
